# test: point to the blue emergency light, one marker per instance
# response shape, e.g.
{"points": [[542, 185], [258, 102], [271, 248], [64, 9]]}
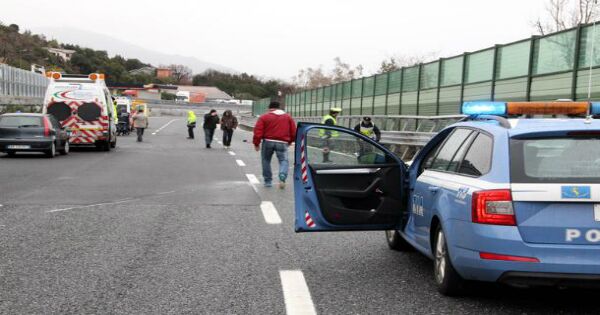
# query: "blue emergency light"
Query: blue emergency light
{"points": [[484, 108], [595, 109]]}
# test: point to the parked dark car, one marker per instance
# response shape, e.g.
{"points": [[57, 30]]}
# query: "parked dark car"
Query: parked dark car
{"points": [[25, 132]]}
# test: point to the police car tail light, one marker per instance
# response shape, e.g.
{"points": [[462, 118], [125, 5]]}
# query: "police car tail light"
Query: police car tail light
{"points": [[547, 108], [493, 207], [492, 256]]}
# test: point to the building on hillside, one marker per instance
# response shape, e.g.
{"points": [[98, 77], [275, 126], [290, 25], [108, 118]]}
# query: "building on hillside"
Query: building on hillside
{"points": [[212, 93], [144, 92], [65, 54], [163, 73], [143, 71]]}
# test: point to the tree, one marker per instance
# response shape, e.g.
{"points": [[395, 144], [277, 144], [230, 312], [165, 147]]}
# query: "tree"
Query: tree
{"points": [[310, 78], [396, 62], [181, 74], [564, 14]]}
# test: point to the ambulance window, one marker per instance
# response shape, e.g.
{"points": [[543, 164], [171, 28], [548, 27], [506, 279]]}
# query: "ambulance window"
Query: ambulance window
{"points": [[479, 158], [448, 151]]}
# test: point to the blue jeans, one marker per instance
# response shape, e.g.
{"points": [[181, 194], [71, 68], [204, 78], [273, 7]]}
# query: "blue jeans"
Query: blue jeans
{"points": [[208, 135], [281, 150]]}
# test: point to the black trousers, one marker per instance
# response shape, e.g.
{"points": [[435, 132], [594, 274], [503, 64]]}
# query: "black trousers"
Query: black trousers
{"points": [[227, 135], [191, 132], [140, 134]]}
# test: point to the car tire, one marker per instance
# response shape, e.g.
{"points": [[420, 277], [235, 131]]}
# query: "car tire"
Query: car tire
{"points": [[11, 153], [65, 149], [396, 242], [52, 151], [448, 281]]}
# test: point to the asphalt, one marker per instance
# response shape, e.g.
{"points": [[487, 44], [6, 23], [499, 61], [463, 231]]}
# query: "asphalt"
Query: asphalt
{"points": [[168, 227]]}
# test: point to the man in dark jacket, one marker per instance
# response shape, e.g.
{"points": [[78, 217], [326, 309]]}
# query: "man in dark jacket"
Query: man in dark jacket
{"points": [[276, 130], [210, 124], [368, 128]]}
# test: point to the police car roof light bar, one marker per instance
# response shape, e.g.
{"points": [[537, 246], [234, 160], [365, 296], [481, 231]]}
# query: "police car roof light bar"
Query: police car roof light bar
{"points": [[530, 108]]}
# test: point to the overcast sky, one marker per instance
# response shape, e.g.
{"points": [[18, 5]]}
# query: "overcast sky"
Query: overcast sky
{"points": [[276, 38]]}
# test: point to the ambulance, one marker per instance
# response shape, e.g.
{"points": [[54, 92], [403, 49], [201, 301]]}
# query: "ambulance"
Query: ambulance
{"points": [[83, 104]]}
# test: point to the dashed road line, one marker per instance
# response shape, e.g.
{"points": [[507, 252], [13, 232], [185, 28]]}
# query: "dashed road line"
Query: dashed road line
{"points": [[89, 206], [270, 213], [231, 153], [165, 192], [164, 126], [252, 179], [240, 163], [295, 293]]}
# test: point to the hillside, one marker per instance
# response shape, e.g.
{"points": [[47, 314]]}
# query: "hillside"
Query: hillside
{"points": [[115, 46], [21, 49]]}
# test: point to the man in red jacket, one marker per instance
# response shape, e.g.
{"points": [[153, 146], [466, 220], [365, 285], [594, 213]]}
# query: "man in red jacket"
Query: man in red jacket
{"points": [[276, 130]]}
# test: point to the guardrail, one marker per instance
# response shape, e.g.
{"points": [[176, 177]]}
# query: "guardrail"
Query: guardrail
{"points": [[21, 87], [403, 135]]}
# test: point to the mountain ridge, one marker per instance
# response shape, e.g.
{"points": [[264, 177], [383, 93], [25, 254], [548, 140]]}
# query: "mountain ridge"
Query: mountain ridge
{"points": [[114, 46]]}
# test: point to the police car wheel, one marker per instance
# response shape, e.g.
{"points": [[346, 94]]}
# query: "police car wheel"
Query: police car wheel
{"points": [[447, 279], [396, 242]]}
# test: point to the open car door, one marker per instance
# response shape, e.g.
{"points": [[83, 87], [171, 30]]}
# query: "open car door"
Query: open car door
{"points": [[344, 181]]}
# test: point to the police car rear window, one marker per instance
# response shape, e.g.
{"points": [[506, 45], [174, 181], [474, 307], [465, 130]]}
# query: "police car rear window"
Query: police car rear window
{"points": [[555, 160]]}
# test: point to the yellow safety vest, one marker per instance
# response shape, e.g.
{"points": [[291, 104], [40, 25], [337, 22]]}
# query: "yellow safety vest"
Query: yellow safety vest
{"points": [[368, 131], [333, 133]]}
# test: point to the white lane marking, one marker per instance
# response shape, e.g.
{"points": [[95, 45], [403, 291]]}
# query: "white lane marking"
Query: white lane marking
{"points": [[165, 192], [240, 162], [295, 293], [164, 126], [231, 153], [89, 206], [252, 179], [270, 213], [219, 142]]}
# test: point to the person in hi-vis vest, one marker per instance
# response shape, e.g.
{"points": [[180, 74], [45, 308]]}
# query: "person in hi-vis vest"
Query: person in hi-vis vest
{"points": [[326, 135]]}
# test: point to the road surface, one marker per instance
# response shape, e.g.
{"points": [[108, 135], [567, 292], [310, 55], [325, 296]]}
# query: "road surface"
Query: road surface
{"points": [[169, 227]]}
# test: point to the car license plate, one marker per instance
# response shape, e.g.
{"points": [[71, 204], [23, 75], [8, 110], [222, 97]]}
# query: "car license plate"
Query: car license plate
{"points": [[597, 212], [16, 147]]}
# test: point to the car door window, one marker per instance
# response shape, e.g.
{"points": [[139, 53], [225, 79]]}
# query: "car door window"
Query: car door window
{"points": [[478, 159], [458, 157], [340, 148], [449, 149]]}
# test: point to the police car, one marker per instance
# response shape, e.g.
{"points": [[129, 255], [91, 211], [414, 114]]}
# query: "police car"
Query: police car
{"points": [[496, 197]]}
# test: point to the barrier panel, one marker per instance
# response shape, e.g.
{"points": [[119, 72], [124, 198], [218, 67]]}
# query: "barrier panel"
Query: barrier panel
{"points": [[550, 67]]}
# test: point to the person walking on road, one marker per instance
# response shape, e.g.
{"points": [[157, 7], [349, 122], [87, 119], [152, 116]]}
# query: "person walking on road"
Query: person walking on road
{"points": [[276, 130], [327, 135], [211, 120], [140, 122], [191, 124], [228, 125]]}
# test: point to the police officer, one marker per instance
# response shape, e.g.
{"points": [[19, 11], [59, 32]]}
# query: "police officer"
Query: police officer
{"points": [[326, 135], [368, 129]]}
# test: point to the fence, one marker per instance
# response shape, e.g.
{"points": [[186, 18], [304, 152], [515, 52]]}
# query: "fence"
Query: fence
{"points": [[18, 84], [539, 68]]}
